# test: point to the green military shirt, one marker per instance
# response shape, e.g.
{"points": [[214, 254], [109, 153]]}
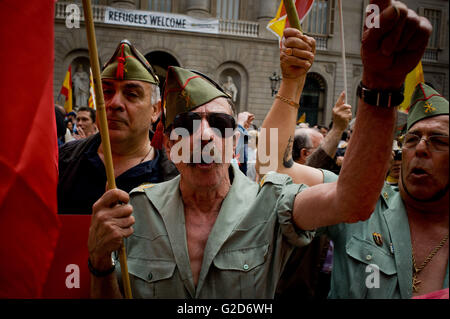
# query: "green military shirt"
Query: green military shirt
{"points": [[359, 254], [246, 251]]}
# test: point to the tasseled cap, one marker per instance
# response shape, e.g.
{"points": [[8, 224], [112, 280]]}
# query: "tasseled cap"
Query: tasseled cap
{"points": [[127, 63], [186, 90], [426, 103]]}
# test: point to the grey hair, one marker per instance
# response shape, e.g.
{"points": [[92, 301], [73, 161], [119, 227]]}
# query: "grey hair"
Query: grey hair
{"points": [[301, 140], [155, 94]]}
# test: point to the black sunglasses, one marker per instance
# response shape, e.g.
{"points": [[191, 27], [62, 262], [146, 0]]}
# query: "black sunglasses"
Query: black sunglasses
{"points": [[190, 121]]}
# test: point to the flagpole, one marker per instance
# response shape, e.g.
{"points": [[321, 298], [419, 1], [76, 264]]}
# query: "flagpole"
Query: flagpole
{"points": [[292, 14], [341, 18], [101, 115]]}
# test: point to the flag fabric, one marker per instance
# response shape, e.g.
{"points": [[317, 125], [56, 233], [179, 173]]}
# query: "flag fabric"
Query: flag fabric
{"points": [[66, 90], [302, 118], [91, 101], [280, 22], [412, 79], [29, 149], [69, 276]]}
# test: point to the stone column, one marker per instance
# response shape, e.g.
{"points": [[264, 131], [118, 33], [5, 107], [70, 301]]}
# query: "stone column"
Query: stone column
{"points": [[124, 4], [198, 8], [266, 12]]}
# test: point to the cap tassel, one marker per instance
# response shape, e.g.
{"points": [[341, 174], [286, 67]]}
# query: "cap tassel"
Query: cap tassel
{"points": [[157, 139], [120, 66]]}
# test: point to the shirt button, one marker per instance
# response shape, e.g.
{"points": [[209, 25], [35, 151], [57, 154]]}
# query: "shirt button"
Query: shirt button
{"points": [[245, 267], [369, 257], [149, 276]]}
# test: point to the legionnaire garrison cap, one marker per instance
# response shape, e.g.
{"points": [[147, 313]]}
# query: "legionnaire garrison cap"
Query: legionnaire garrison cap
{"points": [[127, 63], [426, 103], [184, 90]]}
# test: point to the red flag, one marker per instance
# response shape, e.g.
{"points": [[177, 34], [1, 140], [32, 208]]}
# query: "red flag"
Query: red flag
{"points": [[28, 143], [69, 276]]}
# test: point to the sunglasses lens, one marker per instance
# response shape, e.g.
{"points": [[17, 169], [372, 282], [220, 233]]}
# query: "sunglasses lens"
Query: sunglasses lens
{"points": [[224, 123], [188, 121]]}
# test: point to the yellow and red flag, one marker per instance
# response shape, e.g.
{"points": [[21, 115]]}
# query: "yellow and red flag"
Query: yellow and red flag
{"points": [[280, 22], [91, 101], [412, 79], [66, 90]]}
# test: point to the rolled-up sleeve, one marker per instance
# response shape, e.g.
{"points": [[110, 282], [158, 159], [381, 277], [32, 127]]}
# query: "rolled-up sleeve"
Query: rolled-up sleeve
{"points": [[286, 191]]}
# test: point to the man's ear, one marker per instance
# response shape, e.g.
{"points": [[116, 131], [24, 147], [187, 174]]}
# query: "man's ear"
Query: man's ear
{"points": [[156, 111], [304, 152]]}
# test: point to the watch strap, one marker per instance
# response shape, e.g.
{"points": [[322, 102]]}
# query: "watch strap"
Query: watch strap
{"points": [[381, 98]]}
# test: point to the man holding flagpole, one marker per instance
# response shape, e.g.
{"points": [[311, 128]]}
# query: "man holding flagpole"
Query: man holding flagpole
{"points": [[132, 104], [213, 233]]}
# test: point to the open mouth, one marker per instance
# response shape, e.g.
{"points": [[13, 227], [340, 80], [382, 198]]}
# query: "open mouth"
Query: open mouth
{"points": [[419, 172]]}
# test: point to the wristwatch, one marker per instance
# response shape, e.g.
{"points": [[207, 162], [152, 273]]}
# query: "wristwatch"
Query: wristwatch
{"points": [[379, 97]]}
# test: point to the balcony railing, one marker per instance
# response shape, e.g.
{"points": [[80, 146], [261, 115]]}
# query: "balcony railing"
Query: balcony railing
{"points": [[321, 41], [240, 28], [231, 27], [430, 55]]}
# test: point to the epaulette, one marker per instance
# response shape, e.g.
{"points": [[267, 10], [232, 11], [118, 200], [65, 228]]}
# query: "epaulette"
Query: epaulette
{"points": [[141, 188]]}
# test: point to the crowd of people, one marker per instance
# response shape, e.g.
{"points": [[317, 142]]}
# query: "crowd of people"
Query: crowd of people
{"points": [[202, 215]]}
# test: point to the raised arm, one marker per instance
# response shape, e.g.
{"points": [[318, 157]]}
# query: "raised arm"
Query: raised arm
{"points": [[388, 53], [296, 57]]}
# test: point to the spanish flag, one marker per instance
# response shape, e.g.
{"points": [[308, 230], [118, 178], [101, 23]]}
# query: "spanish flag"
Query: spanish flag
{"points": [[91, 101], [280, 22], [66, 90], [412, 79]]}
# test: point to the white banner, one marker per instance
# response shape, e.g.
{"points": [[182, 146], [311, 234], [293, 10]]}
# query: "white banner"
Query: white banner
{"points": [[160, 20]]}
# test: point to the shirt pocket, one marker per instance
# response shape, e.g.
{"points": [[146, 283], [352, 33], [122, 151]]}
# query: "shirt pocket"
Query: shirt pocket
{"points": [[239, 270], [152, 278], [372, 270]]}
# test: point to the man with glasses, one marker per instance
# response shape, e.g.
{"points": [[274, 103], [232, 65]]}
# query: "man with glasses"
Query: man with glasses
{"points": [[401, 251]]}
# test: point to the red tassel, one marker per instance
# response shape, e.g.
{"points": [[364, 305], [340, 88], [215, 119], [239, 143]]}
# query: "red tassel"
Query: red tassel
{"points": [[157, 139], [120, 66]]}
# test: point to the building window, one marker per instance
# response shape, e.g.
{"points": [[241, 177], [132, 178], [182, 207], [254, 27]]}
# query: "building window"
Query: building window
{"points": [[435, 18], [312, 99], [159, 5], [319, 23], [228, 9], [435, 43]]}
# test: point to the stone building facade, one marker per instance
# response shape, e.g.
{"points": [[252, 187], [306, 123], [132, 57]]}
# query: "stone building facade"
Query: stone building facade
{"points": [[240, 49]]}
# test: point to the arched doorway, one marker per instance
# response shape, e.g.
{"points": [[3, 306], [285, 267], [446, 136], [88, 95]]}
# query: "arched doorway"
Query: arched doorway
{"points": [[313, 99], [160, 61]]}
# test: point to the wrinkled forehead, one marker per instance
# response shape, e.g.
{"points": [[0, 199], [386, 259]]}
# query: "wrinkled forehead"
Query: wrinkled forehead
{"points": [[126, 84], [435, 124], [218, 105]]}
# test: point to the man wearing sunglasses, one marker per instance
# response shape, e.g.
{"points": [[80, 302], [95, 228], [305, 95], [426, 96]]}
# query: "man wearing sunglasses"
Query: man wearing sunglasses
{"points": [[400, 249], [132, 102], [211, 232]]}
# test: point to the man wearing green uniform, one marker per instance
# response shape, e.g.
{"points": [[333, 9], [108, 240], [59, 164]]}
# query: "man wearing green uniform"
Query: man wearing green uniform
{"points": [[401, 251], [211, 233]]}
